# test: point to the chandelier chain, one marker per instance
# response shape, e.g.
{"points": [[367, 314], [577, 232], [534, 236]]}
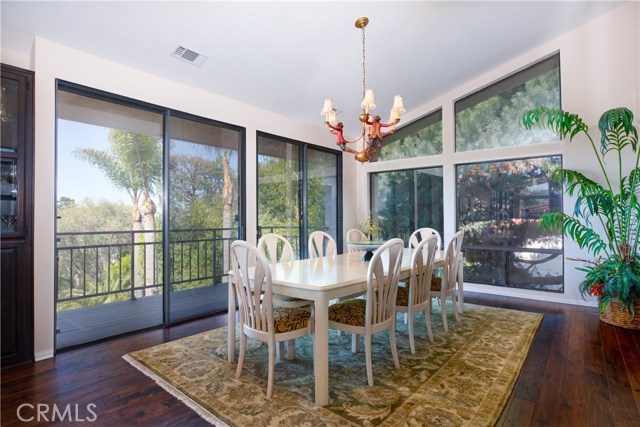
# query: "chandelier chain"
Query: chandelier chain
{"points": [[364, 72]]}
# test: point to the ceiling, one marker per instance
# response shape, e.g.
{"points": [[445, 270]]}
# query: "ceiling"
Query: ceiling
{"points": [[287, 57]]}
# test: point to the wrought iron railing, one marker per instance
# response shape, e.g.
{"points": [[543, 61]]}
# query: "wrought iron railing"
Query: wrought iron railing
{"points": [[96, 266]]}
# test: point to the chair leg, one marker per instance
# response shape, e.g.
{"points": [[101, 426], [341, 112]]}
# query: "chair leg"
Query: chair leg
{"points": [[355, 343], [394, 349], [454, 302], [406, 317], [243, 345], [279, 351], [443, 309], [412, 343], [427, 318], [291, 349], [367, 352], [272, 364]]}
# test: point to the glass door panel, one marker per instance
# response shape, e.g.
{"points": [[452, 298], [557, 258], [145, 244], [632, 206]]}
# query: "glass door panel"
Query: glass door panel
{"points": [[109, 210], [322, 192], [279, 190], [203, 215]]}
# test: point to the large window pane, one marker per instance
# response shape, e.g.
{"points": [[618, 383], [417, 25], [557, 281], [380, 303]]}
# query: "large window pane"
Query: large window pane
{"points": [[499, 206], [204, 214], [490, 118], [403, 201], [109, 210], [422, 137], [322, 192], [279, 189]]}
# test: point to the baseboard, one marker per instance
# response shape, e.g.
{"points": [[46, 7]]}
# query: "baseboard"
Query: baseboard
{"points": [[527, 294], [42, 355]]}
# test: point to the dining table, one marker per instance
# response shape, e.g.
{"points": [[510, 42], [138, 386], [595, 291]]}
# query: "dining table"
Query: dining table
{"points": [[321, 280]]}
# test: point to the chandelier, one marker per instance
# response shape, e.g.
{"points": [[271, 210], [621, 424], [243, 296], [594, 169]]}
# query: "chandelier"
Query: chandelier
{"points": [[371, 134]]}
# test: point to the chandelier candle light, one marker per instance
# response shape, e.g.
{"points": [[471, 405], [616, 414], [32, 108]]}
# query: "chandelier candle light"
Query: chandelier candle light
{"points": [[371, 135]]}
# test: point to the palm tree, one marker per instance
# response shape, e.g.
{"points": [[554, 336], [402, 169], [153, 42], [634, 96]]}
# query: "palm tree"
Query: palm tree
{"points": [[134, 164]]}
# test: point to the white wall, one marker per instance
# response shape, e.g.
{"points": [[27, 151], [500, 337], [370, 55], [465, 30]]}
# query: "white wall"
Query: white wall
{"points": [[52, 61], [599, 70]]}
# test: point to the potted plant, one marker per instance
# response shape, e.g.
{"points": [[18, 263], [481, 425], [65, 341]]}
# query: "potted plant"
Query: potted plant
{"points": [[606, 216]]}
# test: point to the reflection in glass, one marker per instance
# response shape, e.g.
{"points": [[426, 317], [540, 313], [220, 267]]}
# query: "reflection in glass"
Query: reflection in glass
{"points": [[9, 116], [405, 200], [499, 207]]}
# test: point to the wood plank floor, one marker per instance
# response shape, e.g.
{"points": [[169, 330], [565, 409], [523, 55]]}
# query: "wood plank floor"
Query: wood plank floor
{"points": [[579, 372]]}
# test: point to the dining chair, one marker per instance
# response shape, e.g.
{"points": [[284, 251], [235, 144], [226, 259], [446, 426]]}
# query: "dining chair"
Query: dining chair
{"points": [[416, 297], [355, 235], [276, 248], [377, 311], [259, 319], [446, 285], [422, 233], [321, 244]]}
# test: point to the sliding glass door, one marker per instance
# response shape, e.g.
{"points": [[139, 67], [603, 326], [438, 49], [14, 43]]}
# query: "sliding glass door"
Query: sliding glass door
{"points": [[299, 190], [148, 202], [204, 206]]}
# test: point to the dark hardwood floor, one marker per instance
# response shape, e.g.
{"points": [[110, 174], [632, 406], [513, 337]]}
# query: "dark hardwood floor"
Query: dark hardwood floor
{"points": [[579, 372]]}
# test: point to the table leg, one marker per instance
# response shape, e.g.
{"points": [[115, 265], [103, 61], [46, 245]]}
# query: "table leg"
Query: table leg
{"points": [[321, 350], [231, 324]]}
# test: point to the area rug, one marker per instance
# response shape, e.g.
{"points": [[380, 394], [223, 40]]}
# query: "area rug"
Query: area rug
{"points": [[462, 378]]}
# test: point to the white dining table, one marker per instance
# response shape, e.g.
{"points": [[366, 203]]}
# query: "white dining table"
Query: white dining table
{"points": [[321, 280]]}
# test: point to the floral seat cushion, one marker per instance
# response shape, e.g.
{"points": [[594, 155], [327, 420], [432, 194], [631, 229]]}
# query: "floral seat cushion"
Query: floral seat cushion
{"points": [[350, 312], [402, 299], [290, 319], [436, 283]]}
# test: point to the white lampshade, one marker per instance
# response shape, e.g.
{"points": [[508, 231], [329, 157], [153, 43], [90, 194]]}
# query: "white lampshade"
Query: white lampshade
{"points": [[328, 107], [395, 114], [331, 118], [398, 105], [369, 102]]}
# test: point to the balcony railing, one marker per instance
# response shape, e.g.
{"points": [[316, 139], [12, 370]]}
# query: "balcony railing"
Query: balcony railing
{"points": [[98, 267]]}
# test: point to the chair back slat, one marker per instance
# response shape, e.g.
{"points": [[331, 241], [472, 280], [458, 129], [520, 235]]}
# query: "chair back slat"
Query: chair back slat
{"points": [[382, 289], [453, 258], [421, 270], [422, 233], [355, 235], [321, 244], [275, 248], [254, 290]]}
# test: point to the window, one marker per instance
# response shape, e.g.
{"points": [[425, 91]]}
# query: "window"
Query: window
{"points": [[490, 117], [422, 137], [499, 208], [405, 200], [295, 179]]}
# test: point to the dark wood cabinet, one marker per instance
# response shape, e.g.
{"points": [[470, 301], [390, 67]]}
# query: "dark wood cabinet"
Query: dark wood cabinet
{"points": [[16, 215]]}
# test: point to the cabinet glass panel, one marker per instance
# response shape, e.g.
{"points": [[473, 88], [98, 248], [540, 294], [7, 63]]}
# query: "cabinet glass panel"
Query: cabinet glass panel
{"points": [[9, 116], [8, 196]]}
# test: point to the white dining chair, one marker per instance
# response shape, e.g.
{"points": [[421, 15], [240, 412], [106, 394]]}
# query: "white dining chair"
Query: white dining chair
{"points": [[416, 297], [259, 319], [321, 244], [377, 311], [422, 233], [355, 235], [446, 285], [276, 248]]}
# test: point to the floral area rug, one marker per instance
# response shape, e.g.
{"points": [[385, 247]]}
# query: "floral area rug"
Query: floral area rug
{"points": [[462, 378]]}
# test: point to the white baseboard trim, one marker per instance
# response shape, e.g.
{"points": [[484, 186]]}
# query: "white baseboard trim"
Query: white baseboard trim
{"points": [[42, 355], [527, 294]]}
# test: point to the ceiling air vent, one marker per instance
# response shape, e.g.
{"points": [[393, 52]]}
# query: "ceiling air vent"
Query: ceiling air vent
{"points": [[187, 55]]}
